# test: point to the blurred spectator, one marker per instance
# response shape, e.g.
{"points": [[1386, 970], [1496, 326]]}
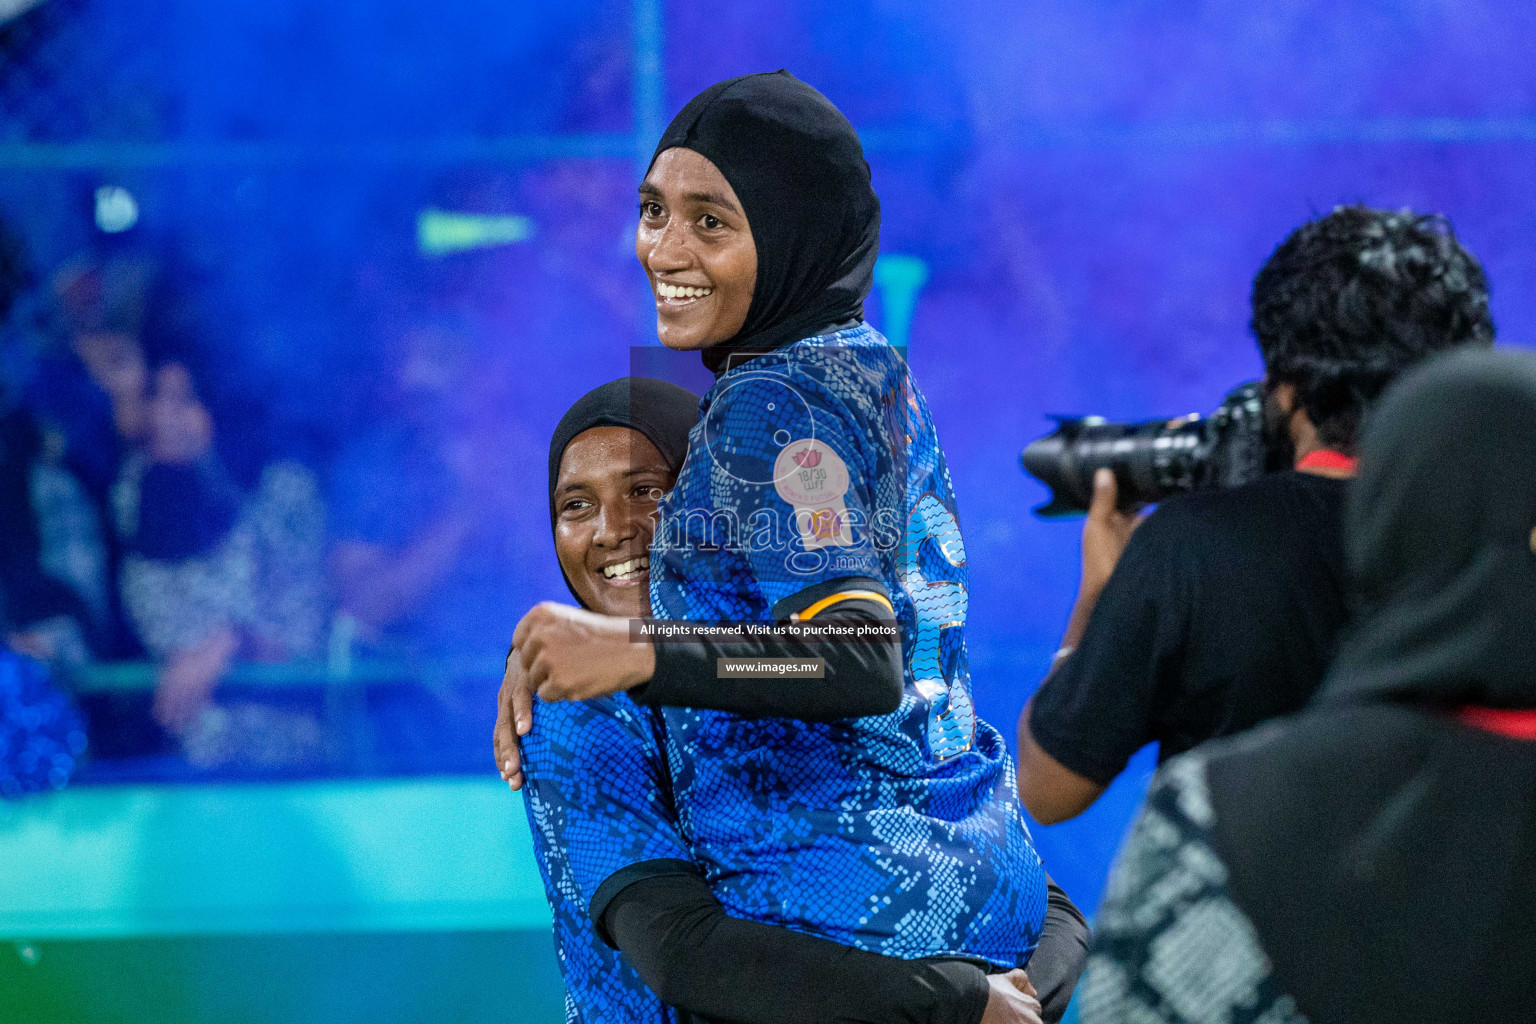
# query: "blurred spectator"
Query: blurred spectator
{"points": [[52, 568], [212, 570], [1371, 859], [89, 398], [54, 589], [166, 548], [408, 511], [96, 390]]}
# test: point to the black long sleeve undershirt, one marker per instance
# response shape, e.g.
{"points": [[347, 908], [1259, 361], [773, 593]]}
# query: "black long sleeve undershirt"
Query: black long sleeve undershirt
{"points": [[1061, 954], [698, 958], [862, 678]]}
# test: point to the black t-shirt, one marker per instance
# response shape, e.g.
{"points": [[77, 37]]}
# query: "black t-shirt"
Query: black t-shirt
{"points": [[1223, 612]]}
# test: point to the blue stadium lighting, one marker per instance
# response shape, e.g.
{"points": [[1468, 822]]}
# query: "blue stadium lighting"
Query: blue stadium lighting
{"points": [[439, 233], [899, 278], [116, 209]]}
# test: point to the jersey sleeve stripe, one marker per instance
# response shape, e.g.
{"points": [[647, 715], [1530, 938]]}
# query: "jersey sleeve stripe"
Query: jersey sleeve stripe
{"points": [[846, 595]]}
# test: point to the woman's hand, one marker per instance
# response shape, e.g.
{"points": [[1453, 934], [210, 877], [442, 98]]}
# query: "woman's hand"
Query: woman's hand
{"points": [[1013, 1000], [514, 717], [573, 654]]}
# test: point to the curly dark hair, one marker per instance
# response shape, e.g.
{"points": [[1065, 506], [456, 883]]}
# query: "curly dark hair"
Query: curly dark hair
{"points": [[1351, 300]]}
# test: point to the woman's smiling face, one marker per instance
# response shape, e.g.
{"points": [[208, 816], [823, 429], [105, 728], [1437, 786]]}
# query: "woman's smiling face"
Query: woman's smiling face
{"points": [[605, 507], [697, 250]]}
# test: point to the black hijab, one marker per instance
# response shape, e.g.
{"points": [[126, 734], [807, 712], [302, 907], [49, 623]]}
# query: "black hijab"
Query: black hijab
{"points": [[663, 412], [798, 168], [1386, 853]]}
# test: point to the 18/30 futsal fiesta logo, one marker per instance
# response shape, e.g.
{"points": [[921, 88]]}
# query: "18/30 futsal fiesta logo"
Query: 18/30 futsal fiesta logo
{"points": [[816, 532], [814, 480], [764, 453]]}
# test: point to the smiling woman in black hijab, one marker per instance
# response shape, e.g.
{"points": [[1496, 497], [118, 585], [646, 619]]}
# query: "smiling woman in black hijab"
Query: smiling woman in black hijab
{"points": [[779, 226], [631, 434], [1373, 859]]}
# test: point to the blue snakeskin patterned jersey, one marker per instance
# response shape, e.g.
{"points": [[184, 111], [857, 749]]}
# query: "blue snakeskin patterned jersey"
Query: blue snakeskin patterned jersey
{"points": [[900, 834], [595, 800]]}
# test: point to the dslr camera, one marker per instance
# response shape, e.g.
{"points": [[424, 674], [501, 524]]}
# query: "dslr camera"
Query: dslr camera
{"points": [[1156, 458]]}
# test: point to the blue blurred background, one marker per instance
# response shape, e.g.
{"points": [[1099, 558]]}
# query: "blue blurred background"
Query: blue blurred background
{"points": [[360, 256]]}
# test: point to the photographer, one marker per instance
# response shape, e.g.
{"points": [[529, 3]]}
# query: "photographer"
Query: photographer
{"points": [[1220, 610]]}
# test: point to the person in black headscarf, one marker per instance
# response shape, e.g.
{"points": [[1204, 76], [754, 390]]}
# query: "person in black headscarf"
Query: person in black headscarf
{"points": [[758, 228], [758, 224], [1371, 859], [661, 414], [612, 455], [40, 614], [814, 488]]}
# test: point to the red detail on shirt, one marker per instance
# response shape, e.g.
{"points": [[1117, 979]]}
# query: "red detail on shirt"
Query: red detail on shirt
{"points": [[1327, 458], [1520, 725]]}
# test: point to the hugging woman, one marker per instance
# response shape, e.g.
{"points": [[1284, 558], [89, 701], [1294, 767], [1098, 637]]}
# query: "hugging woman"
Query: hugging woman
{"points": [[872, 808], [616, 867]]}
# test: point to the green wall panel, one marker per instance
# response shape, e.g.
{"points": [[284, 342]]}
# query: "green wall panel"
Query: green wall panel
{"points": [[377, 901]]}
